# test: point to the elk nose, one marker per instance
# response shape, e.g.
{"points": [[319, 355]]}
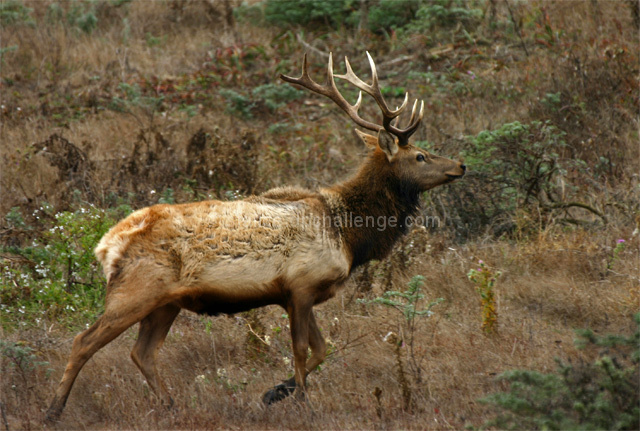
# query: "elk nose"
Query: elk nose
{"points": [[463, 167]]}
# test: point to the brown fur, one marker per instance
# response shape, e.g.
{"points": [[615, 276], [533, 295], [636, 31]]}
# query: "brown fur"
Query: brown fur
{"points": [[225, 257]]}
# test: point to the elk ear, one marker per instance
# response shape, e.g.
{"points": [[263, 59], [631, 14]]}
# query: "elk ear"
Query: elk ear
{"points": [[387, 143], [370, 141]]}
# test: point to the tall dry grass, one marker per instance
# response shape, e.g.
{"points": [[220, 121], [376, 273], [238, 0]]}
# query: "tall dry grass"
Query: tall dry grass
{"points": [[217, 373]]}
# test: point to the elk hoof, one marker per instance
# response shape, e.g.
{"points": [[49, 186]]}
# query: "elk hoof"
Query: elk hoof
{"points": [[168, 403], [279, 392], [52, 416]]}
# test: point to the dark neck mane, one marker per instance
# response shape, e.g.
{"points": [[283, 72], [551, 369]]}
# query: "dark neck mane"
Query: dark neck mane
{"points": [[374, 207]]}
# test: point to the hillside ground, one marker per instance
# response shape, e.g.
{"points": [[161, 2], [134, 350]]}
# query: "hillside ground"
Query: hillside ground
{"points": [[109, 106]]}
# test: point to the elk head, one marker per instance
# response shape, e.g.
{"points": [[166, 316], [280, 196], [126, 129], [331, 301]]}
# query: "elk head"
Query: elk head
{"points": [[414, 167]]}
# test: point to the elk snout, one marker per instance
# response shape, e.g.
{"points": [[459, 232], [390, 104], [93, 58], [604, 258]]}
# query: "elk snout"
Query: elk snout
{"points": [[457, 172]]}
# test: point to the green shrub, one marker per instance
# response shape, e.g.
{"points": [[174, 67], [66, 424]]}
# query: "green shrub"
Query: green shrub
{"points": [[133, 100], [19, 357], [518, 181], [392, 14], [382, 15], [602, 394], [252, 14], [485, 280], [275, 96], [269, 96], [78, 15], [411, 305], [14, 13], [328, 13], [56, 277], [443, 13], [238, 104]]}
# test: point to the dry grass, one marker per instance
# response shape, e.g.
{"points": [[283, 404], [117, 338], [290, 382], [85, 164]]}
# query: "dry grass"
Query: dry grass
{"points": [[217, 375], [553, 281]]}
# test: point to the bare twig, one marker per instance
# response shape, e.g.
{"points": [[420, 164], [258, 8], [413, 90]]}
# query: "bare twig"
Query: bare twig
{"points": [[264, 341], [397, 60], [311, 47], [4, 417], [516, 28], [565, 205]]}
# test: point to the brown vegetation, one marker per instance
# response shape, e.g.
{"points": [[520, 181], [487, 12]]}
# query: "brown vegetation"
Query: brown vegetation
{"points": [[136, 108]]}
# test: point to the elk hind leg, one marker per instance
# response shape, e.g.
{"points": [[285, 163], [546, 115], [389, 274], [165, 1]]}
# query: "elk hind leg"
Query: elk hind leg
{"points": [[153, 331], [120, 313]]}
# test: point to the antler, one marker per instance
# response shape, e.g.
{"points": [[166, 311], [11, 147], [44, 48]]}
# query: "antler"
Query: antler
{"points": [[331, 91]]}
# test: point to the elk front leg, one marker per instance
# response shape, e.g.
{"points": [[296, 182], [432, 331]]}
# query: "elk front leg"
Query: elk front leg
{"points": [[318, 353]]}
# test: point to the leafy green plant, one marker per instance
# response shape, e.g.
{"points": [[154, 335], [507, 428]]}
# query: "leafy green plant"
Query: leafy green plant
{"points": [[78, 15], [237, 103], [619, 248], [7, 49], [599, 394], [552, 100], [443, 13], [168, 196], [391, 14], [20, 357], [330, 13], [485, 279], [21, 371], [155, 41], [131, 98], [269, 96], [410, 305], [250, 13], [14, 219], [406, 302], [275, 96], [56, 277], [519, 182], [518, 159], [14, 12], [381, 15]]}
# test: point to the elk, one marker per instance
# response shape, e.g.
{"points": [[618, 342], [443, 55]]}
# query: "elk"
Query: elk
{"points": [[218, 257]]}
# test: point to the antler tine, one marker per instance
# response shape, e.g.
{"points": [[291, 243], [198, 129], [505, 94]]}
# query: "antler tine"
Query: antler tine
{"points": [[374, 89], [358, 102], [414, 122], [330, 90]]}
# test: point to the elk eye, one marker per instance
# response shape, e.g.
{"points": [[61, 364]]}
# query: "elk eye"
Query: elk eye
{"points": [[420, 158]]}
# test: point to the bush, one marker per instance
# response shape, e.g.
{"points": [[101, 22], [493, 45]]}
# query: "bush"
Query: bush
{"points": [[411, 305], [382, 15], [603, 394], [518, 182], [268, 97], [14, 13], [391, 14], [79, 15], [56, 277], [444, 13], [328, 13]]}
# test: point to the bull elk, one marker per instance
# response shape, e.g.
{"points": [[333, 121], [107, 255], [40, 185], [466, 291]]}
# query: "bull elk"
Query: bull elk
{"points": [[217, 257]]}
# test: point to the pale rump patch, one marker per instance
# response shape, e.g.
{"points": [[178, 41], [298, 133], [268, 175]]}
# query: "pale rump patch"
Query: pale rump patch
{"points": [[114, 243]]}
